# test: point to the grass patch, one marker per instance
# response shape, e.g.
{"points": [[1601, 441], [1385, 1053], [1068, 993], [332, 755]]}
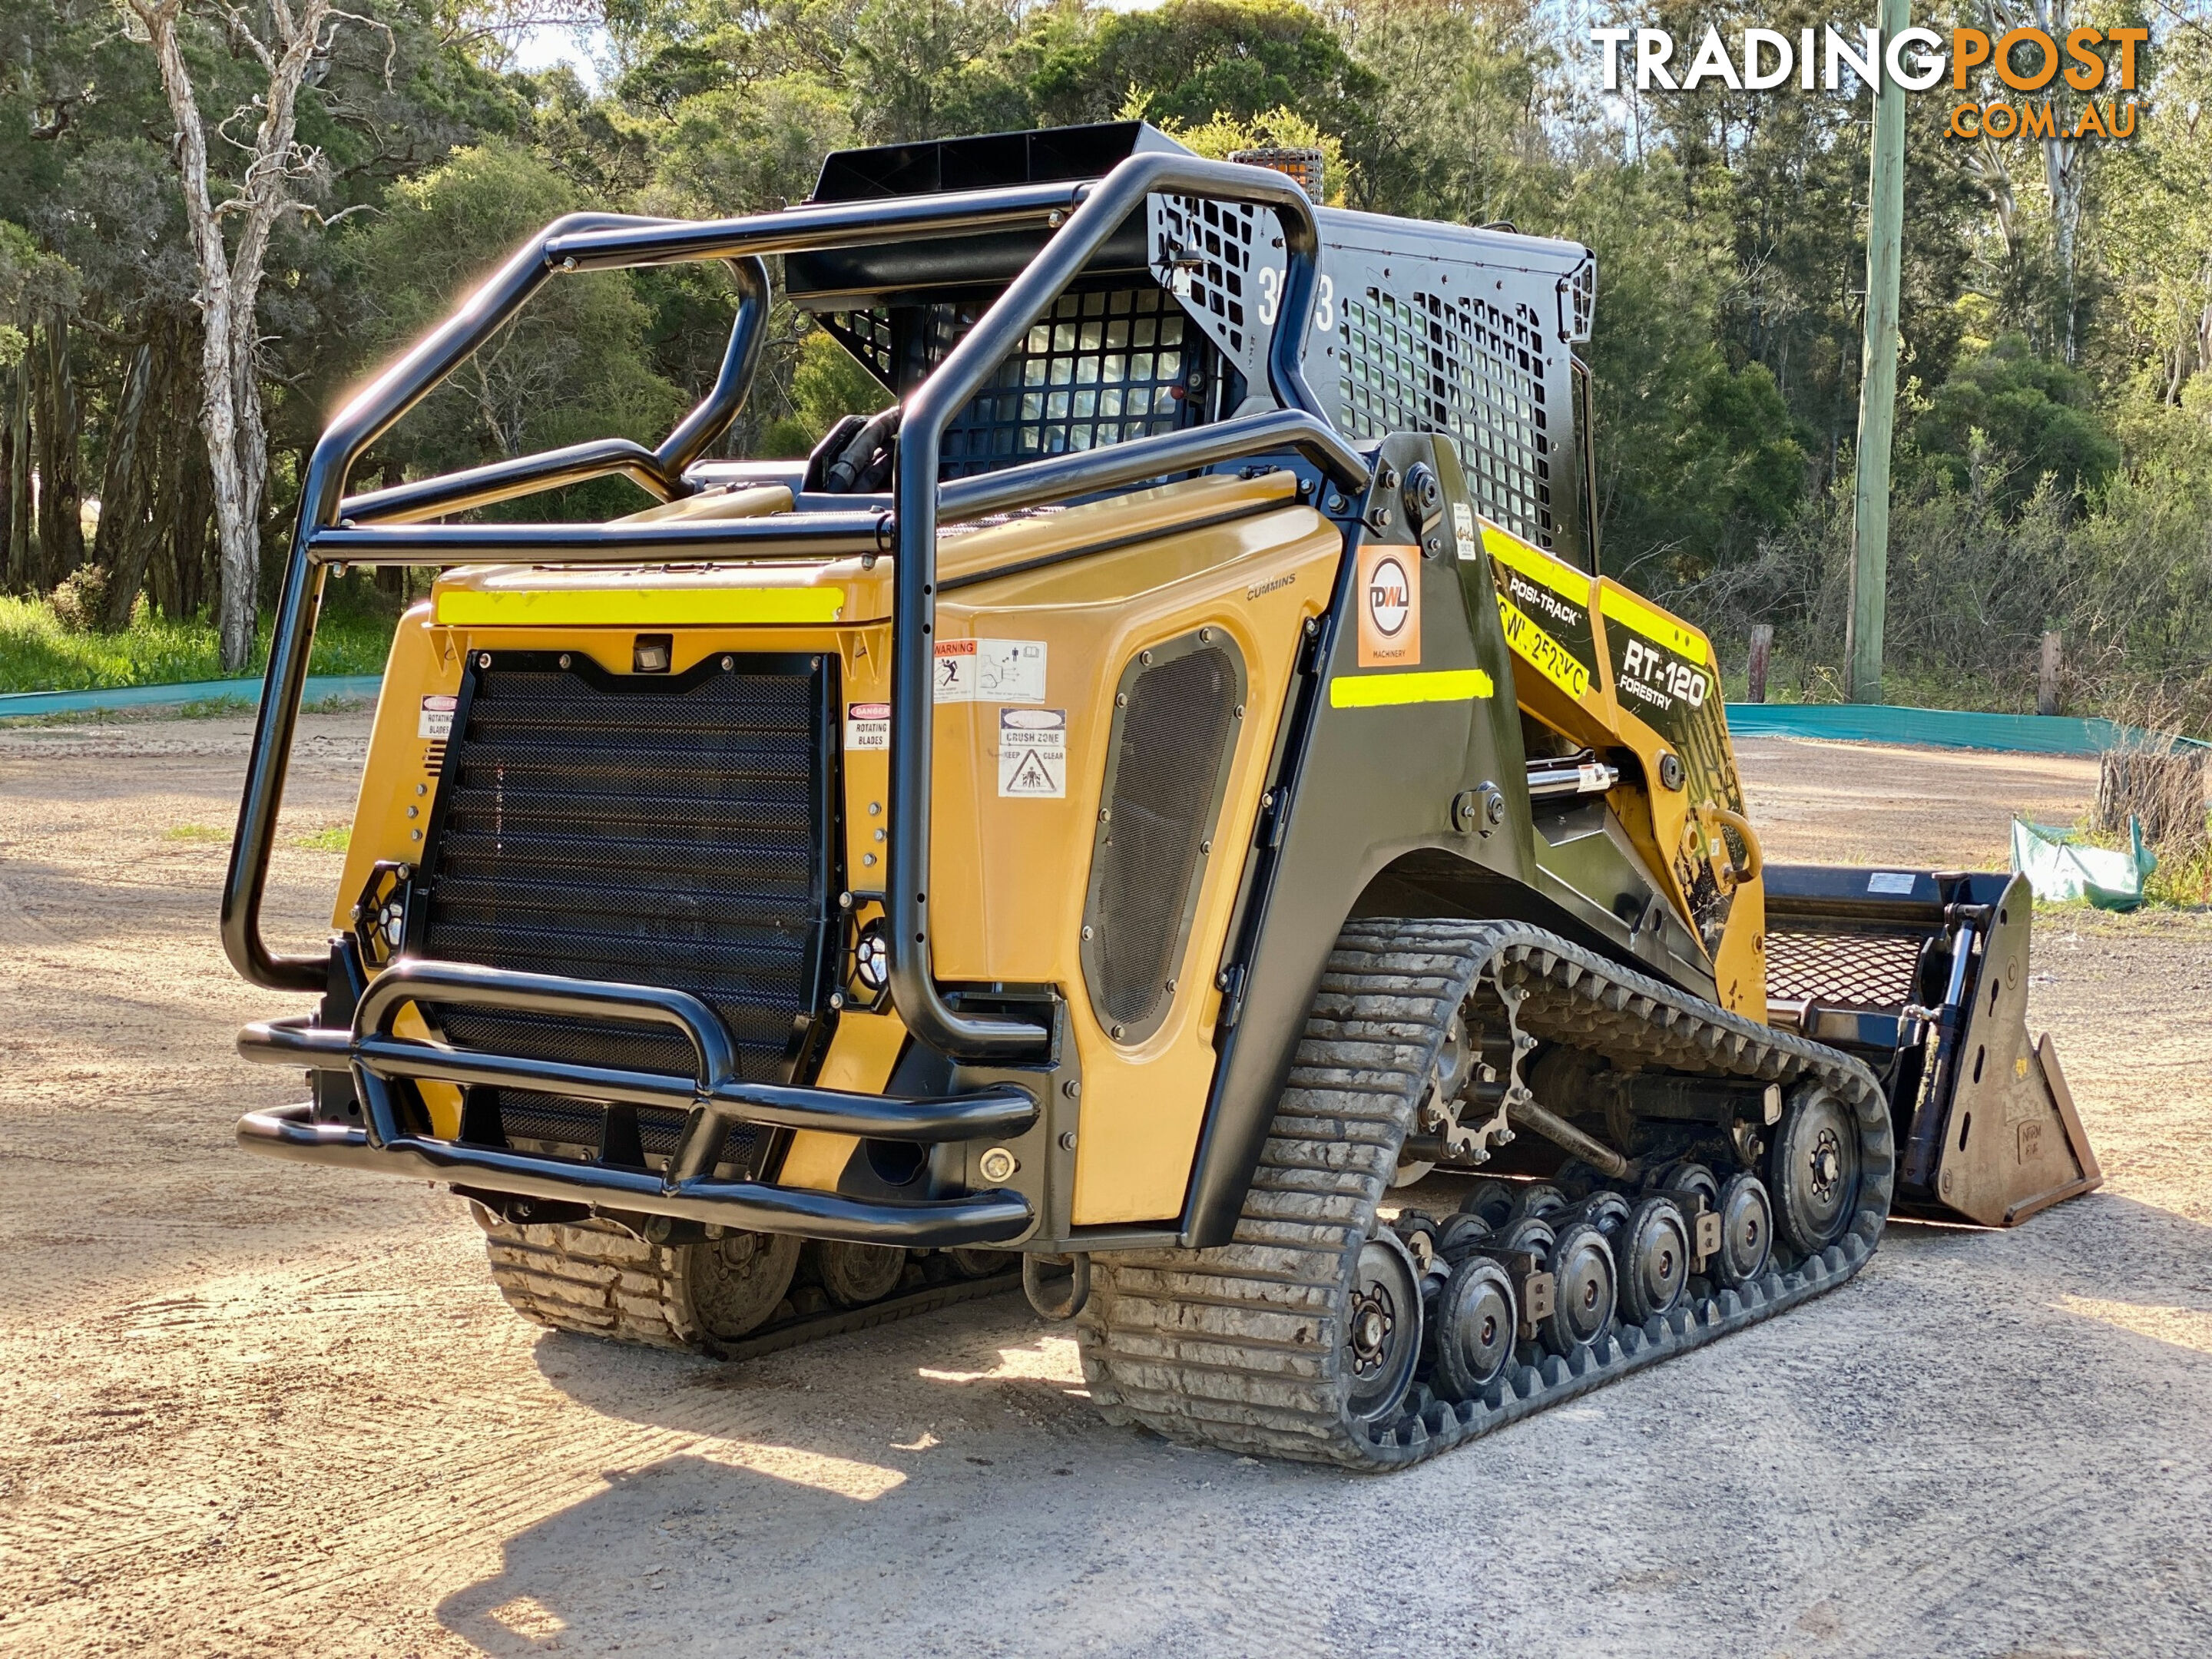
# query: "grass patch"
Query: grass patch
{"points": [[38, 653], [194, 832], [334, 838]]}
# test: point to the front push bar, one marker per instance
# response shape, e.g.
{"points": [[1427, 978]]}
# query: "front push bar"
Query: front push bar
{"points": [[713, 1098], [387, 527]]}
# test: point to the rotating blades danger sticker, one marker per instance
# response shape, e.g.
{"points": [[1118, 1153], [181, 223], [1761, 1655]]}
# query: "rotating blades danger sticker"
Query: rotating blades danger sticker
{"points": [[1033, 753]]}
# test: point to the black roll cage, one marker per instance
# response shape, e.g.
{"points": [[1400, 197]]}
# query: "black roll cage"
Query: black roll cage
{"points": [[384, 527]]}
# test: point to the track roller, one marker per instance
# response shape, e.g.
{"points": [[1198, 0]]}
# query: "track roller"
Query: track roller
{"points": [[1654, 1250], [1583, 1289], [855, 1275], [1746, 1230], [1476, 1319]]}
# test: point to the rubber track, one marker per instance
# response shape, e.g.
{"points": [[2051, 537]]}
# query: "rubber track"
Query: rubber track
{"points": [[596, 1279], [1240, 1347]]}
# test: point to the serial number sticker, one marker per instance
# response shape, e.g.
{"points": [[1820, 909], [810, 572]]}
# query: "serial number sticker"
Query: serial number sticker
{"points": [[1889, 881], [1544, 654], [867, 726], [1033, 753], [436, 719]]}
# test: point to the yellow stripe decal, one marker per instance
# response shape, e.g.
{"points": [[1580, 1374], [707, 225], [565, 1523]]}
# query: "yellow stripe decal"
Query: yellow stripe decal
{"points": [[1541, 651], [1534, 563], [1654, 624], [1388, 691], [637, 607]]}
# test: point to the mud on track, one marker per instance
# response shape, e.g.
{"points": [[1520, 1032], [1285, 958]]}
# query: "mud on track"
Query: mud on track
{"points": [[248, 1409]]}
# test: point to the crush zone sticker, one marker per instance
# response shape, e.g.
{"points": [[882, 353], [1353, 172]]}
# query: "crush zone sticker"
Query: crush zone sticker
{"points": [[1033, 753], [989, 670]]}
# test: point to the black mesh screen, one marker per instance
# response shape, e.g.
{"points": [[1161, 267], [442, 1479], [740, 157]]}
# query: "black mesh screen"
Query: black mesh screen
{"points": [[651, 830], [1170, 751], [1842, 970], [1102, 369]]}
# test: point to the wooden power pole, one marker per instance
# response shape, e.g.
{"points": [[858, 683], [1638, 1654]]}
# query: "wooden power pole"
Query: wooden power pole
{"points": [[1878, 378]]}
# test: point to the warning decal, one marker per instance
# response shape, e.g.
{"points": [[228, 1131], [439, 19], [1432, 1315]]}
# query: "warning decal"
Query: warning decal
{"points": [[867, 726], [437, 717], [989, 670], [1033, 753]]}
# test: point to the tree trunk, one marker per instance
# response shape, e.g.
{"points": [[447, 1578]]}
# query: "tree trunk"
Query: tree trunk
{"points": [[22, 550], [124, 541], [61, 495], [10, 458], [192, 546], [1762, 650]]}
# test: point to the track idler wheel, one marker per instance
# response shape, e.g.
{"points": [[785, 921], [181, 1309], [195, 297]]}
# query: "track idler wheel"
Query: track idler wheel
{"points": [[1607, 1210], [1491, 1199], [971, 1263], [1539, 1198], [1814, 1168], [855, 1275], [1582, 1296], [1476, 1318], [739, 1280], [1461, 1233], [1381, 1329], [1746, 1231], [1654, 1247], [1687, 1177]]}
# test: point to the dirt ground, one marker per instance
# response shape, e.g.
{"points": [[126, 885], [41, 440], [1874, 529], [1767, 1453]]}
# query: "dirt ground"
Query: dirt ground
{"points": [[249, 1409]]}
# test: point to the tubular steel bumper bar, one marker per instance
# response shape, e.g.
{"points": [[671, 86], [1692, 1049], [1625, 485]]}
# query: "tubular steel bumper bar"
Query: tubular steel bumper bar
{"points": [[1093, 212], [714, 1096]]}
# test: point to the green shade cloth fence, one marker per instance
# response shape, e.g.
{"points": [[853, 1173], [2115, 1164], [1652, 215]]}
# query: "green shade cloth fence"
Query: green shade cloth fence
{"points": [[17, 704], [1935, 728]]}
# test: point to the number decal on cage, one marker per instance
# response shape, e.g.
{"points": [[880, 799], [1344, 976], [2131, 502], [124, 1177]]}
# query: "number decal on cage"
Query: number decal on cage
{"points": [[1271, 299]]}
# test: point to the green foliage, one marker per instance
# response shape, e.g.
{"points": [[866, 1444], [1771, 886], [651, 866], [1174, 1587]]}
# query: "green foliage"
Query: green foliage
{"points": [[1189, 61], [569, 368], [39, 653], [826, 384], [2033, 416]]}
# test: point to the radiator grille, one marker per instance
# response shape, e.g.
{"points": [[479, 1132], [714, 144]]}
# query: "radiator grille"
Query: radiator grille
{"points": [[642, 829], [1166, 766]]}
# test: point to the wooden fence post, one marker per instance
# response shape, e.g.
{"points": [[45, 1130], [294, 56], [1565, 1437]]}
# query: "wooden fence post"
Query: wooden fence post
{"points": [[2046, 683], [1762, 647]]}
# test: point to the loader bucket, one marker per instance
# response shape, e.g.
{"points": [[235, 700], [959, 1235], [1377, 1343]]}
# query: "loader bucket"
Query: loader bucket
{"points": [[1924, 974]]}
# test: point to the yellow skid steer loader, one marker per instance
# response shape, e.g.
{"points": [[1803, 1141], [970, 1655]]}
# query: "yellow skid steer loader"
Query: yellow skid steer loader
{"points": [[1108, 820]]}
